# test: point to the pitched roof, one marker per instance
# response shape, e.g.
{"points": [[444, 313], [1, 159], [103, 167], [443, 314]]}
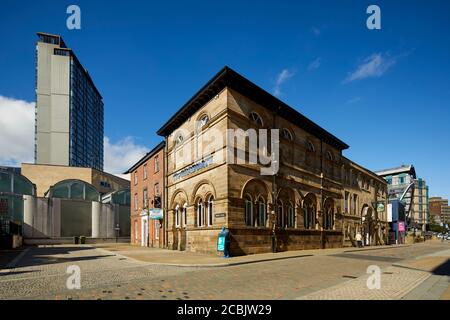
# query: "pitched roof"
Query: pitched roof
{"points": [[230, 78]]}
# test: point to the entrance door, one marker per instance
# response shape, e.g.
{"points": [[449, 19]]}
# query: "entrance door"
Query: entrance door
{"points": [[144, 234]]}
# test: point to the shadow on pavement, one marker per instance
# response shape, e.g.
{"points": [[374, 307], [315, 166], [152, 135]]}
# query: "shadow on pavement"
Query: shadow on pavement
{"points": [[443, 269], [366, 257], [16, 273], [37, 256]]}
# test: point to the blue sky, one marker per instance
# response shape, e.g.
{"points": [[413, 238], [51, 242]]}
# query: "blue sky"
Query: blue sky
{"points": [[384, 92]]}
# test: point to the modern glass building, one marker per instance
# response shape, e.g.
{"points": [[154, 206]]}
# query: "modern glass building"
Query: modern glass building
{"points": [[69, 108], [413, 192]]}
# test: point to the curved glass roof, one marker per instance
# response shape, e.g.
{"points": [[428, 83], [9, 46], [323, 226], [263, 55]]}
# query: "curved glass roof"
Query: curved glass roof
{"points": [[15, 183], [74, 189]]}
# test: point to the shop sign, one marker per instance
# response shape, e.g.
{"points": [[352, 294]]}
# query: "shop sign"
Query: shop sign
{"points": [[193, 168], [380, 207], [219, 215], [156, 213]]}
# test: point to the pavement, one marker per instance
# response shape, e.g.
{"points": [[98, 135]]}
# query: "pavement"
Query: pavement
{"points": [[158, 256], [123, 272]]}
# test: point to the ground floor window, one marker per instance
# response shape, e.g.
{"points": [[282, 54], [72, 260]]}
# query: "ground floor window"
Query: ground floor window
{"points": [[248, 211], [177, 216], [185, 215], [200, 214], [210, 210], [291, 217], [309, 215], [262, 215]]}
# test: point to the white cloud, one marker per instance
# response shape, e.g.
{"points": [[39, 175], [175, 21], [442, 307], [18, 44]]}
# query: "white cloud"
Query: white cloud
{"points": [[373, 66], [17, 139], [16, 131], [121, 155], [282, 77], [314, 65]]}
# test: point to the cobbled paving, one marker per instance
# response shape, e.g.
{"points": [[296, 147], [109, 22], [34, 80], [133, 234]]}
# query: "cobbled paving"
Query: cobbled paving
{"points": [[41, 274]]}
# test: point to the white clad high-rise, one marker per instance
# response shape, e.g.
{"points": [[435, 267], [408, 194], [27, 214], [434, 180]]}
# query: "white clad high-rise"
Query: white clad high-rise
{"points": [[69, 108]]}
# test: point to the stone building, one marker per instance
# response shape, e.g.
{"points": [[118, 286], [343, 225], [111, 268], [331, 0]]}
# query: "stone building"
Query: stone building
{"points": [[45, 176], [316, 199], [439, 210], [147, 189]]}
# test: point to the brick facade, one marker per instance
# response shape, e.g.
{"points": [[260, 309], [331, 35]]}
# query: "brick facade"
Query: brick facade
{"points": [[147, 182]]}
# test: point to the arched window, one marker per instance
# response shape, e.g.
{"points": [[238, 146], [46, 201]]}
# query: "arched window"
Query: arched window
{"points": [[281, 221], [200, 213], [179, 139], [291, 216], [248, 211], [177, 216], [256, 119], [210, 210], [309, 214], [262, 215], [310, 146], [287, 134], [329, 156], [203, 120], [328, 216], [184, 215]]}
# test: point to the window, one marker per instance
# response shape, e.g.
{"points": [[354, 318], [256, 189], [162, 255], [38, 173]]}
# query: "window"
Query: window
{"points": [[179, 139], [157, 189], [256, 119], [145, 197], [291, 216], [156, 164], [328, 217], [389, 180], [287, 134], [177, 216], [310, 146], [136, 201], [280, 215], [346, 202], [145, 171], [184, 216], [262, 216], [202, 122], [355, 204], [135, 178], [210, 210], [309, 214], [329, 156], [200, 214], [248, 211]]}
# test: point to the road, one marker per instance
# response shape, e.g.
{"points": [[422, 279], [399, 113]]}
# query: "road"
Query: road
{"points": [[41, 273]]}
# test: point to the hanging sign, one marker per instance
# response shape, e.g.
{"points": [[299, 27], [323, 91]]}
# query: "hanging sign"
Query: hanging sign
{"points": [[156, 213]]}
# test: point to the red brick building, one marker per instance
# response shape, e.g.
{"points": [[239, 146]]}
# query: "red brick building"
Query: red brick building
{"points": [[147, 187]]}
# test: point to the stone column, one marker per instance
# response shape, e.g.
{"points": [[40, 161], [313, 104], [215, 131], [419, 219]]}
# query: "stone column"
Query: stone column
{"points": [[29, 210], [55, 215], [96, 210]]}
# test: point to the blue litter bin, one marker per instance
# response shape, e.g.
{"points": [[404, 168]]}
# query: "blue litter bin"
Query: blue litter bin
{"points": [[223, 242]]}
